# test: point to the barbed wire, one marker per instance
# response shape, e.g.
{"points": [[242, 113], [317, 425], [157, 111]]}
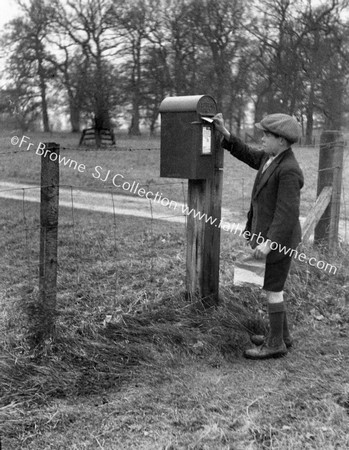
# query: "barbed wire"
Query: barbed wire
{"points": [[156, 148], [78, 256]]}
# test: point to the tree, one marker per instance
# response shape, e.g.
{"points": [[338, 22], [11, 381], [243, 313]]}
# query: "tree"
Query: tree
{"points": [[21, 105], [218, 26], [157, 83], [300, 66], [71, 76], [277, 65], [86, 28], [29, 62], [133, 23]]}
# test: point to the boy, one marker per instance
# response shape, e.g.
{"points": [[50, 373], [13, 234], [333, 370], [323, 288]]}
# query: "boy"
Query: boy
{"points": [[273, 218]]}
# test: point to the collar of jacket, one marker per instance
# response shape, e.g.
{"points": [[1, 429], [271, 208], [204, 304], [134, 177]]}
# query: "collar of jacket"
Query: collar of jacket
{"points": [[264, 177]]}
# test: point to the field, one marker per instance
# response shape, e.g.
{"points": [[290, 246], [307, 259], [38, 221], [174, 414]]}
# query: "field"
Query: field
{"points": [[133, 364], [138, 160]]}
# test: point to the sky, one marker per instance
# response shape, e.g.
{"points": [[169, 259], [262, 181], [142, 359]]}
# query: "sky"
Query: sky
{"points": [[9, 10]]}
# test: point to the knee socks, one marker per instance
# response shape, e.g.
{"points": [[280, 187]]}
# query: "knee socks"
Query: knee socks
{"points": [[276, 312]]}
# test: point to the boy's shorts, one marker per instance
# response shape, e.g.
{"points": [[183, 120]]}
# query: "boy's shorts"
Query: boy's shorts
{"points": [[276, 274]]}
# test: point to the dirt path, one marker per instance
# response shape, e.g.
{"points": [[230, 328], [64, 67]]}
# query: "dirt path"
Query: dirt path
{"points": [[102, 202], [119, 204]]}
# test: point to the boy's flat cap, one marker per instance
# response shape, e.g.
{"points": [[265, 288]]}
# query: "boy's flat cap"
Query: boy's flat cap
{"points": [[282, 125]]}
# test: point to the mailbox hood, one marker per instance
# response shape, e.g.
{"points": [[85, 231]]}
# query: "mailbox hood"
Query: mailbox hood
{"points": [[202, 104]]}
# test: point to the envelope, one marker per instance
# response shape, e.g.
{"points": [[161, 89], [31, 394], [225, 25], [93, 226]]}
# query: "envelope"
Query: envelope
{"points": [[248, 270]]}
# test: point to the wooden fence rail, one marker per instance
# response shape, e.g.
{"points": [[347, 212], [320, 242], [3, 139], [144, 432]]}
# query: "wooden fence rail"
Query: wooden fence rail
{"points": [[324, 216]]}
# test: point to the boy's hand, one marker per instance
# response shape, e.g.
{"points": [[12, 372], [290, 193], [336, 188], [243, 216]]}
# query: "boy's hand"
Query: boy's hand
{"points": [[262, 250], [219, 125]]}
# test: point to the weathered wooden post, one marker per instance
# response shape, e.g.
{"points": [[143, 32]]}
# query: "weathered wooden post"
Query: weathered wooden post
{"points": [[44, 311], [190, 148], [203, 235], [330, 174]]}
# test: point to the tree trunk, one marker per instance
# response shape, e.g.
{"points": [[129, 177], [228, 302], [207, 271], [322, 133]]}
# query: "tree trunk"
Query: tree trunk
{"points": [[134, 127], [74, 117], [45, 119], [310, 119], [334, 107], [136, 85], [309, 127]]}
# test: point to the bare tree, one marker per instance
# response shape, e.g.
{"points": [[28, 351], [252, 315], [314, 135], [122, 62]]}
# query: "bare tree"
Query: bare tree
{"points": [[29, 63], [87, 24], [133, 24]]}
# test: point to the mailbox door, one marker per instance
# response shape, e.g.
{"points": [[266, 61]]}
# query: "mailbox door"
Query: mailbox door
{"points": [[185, 142], [179, 138]]}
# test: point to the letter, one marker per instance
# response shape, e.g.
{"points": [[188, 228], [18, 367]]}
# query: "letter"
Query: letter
{"points": [[81, 168], [141, 192], [268, 240], [156, 197], [246, 234], [40, 147], [165, 200], [331, 267], [284, 250], [311, 259], [185, 210], [276, 246], [117, 175], [126, 188], [53, 154], [237, 227], [75, 163], [64, 160], [231, 227], [260, 237], [221, 224], [98, 174], [131, 188], [175, 204], [322, 264], [213, 220], [293, 251], [29, 145], [199, 215], [147, 194], [302, 257], [23, 141], [226, 226]]}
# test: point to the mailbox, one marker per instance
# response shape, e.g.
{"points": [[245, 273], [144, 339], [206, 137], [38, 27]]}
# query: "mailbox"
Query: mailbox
{"points": [[187, 147]]}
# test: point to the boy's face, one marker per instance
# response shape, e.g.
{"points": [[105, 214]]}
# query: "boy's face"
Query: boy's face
{"points": [[271, 143]]}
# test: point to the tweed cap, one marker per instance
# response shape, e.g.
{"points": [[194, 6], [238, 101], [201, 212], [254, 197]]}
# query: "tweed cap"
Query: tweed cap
{"points": [[281, 125]]}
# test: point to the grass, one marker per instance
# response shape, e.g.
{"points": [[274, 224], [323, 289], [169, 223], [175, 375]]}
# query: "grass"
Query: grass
{"points": [[134, 365], [137, 159]]}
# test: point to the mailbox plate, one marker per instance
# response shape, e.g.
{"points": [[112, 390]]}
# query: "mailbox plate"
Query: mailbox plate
{"points": [[206, 140]]}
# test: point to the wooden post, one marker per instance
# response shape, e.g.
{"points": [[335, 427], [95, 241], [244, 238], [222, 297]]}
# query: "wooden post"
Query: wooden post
{"points": [[44, 313], [330, 174], [203, 237]]}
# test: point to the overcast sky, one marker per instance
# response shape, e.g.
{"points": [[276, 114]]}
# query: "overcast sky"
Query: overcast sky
{"points": [[9, 10]]}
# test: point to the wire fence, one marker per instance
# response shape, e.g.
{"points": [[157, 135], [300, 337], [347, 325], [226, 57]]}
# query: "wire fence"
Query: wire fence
{"points": [[114, 242]]}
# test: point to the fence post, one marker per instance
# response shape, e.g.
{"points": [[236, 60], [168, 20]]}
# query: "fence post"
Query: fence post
{"points": [[203, 238], [330, 174], [44, 312]]}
